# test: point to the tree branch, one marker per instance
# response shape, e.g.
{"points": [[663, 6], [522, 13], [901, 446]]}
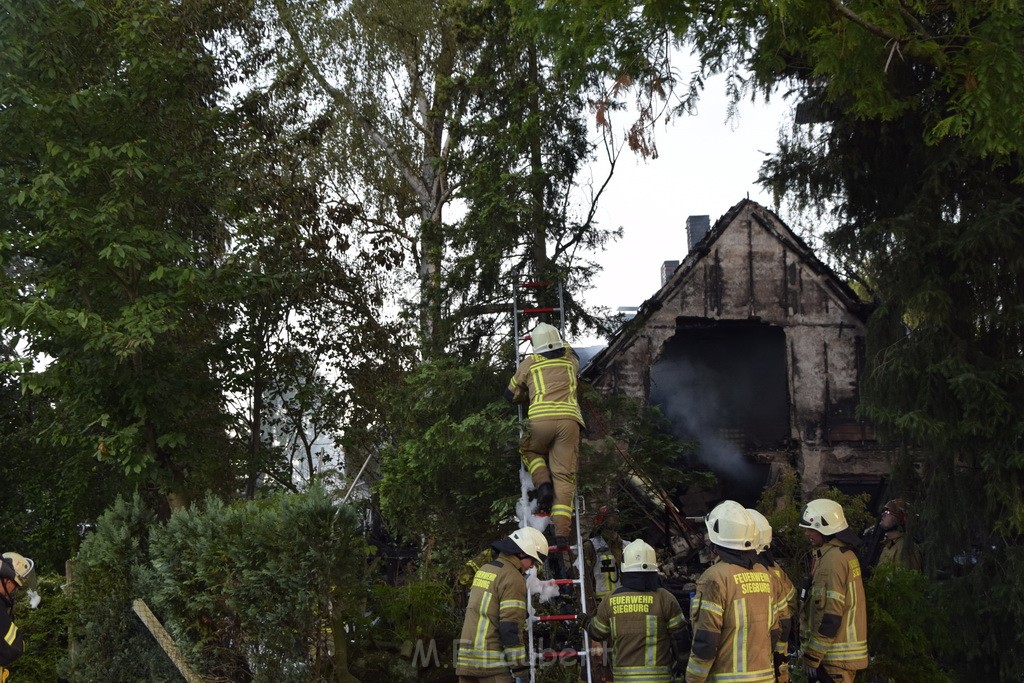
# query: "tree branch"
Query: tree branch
{"points": [[346, 104], [864, 23]]}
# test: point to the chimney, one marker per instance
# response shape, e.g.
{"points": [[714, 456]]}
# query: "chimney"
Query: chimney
{"points": [[667, 268], [696, 228]]}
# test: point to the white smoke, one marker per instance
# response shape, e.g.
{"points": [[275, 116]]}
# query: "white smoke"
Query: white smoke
{"points": [[693, 397]]}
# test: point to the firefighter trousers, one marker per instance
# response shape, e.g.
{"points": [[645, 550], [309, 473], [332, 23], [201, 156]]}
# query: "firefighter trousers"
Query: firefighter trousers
{"points": [[550, 450]]}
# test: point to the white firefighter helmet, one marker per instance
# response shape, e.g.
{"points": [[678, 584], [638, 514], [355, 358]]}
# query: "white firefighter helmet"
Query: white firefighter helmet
{"points": [[531, 542], [638, 556], [764, 531], [731, 526], [825, 516], [24, 573], [546, 338]]}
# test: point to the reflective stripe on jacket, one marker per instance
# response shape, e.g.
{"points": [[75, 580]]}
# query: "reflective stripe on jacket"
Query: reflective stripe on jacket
{"points": [[734, 624], [492, 632], [638, 625], [550, 386], [836, 611]]}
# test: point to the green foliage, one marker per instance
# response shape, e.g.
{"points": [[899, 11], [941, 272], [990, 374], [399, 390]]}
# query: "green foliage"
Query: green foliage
{"points": [[109, 175], [46, 631], [295, 258], [417, 609], [51, 490], [408, 619], [437, 101], [108, 573], [254, 591], [908, 625], [985, 603], [453, 450], [781, 504]]}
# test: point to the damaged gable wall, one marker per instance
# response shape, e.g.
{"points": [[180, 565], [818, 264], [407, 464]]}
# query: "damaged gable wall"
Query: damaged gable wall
{"points": [[756, 344]]}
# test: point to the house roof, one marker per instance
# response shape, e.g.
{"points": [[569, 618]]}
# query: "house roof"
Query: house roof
{"points": [[773, 225]]}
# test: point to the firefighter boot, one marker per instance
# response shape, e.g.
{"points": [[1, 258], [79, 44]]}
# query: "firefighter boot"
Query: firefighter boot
{"points": [[545, 496]]}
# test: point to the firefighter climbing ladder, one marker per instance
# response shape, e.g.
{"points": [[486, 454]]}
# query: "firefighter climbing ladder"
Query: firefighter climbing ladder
{"points": [[519, 316]]}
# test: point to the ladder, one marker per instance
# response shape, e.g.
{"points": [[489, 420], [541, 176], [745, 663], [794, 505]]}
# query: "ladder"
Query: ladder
{"points": [[549, 655]]}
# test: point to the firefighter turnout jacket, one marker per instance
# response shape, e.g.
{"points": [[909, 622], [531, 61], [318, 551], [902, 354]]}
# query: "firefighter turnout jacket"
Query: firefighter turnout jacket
{"points": [[836, 612], [898, 549], [492, 633], [12, 643], [734, 622], [639, 626], [549, 385]]}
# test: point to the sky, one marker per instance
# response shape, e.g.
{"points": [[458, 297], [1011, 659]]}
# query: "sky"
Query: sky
{"points": [[706, 164]]}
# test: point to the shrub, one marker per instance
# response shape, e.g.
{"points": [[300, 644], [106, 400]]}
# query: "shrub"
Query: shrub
{"points": [[259, 590], [906, 626], [109, 572]]}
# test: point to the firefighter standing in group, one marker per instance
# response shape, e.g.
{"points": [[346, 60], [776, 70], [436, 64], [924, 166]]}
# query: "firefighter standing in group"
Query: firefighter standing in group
{"points": [[731, 611], [16, 572], [897, 546], [491, 648], [642, 621], [546, 380], [837, 642], [783, 593]]}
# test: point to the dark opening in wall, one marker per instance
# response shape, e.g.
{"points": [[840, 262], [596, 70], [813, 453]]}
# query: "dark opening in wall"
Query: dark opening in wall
{"points": [[724, 385]]}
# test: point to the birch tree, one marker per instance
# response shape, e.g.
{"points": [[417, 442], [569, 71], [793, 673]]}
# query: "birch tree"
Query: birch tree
{"points": [[412, 88]]}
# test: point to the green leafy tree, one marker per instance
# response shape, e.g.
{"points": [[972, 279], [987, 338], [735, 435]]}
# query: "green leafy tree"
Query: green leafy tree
{"points": [[45, 629], [450, 455], [301, 294], [261, 590], [908, 625], [254, 591], [441, 101], [110, 173], [51, 491]]}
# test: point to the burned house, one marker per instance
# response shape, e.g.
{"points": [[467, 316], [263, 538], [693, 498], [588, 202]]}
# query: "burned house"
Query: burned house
{"points": [[754, 348]]}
